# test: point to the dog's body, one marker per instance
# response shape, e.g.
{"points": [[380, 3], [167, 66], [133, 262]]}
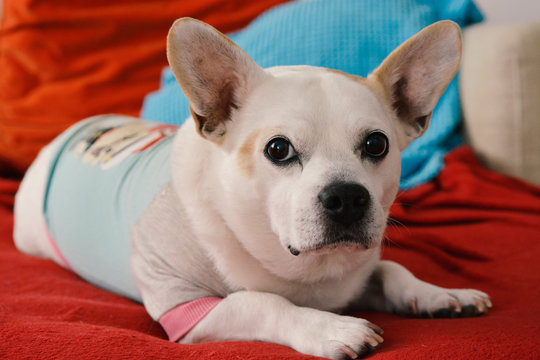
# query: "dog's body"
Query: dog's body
{"points": [[279, 196]]}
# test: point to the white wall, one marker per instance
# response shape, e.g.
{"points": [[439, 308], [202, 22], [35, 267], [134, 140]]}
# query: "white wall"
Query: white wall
{"points": [[508, 11]]}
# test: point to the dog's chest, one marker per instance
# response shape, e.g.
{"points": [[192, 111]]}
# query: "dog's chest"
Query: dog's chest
{"points": [[333, 294]]}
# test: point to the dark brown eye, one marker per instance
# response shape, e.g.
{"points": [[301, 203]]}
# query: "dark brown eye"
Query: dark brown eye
{"points": [[376, 145], [280, 151]]}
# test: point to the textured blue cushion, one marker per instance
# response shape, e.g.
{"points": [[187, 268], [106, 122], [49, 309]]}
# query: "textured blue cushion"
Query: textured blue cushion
{"points": [[350, 35]]}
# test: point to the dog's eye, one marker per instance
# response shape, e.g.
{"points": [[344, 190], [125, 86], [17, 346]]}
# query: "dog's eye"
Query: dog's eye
{"points": [[376, 145], [280, 151]]}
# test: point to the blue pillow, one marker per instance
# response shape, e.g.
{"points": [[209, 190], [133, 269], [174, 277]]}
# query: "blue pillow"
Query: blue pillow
{"points": [[352, 36]]}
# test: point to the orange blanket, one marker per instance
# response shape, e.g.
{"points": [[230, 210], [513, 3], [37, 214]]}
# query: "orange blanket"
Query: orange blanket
{"points": [[62, 61]]}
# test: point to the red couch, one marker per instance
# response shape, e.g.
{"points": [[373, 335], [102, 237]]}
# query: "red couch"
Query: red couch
{"points": [[467, 228]]}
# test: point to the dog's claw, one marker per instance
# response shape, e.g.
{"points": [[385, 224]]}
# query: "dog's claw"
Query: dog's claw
{"points": [[371, 342], [378, 338], [350, 352], [455, 305], [294, 251], [480, 306], [375, 328], [413, 306], [449, 303]]}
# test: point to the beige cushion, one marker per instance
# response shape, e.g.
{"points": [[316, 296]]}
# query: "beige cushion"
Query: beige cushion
{"points": [[500, 95]]}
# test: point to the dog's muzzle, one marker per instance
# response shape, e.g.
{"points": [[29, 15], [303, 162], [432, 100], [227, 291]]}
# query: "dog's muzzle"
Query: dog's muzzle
{"points": [[344, 203]]}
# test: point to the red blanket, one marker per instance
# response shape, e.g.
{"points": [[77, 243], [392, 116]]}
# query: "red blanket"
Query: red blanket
{"points": [[468, 228]]}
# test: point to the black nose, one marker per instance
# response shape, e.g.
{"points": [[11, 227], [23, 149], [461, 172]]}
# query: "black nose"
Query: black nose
{"points": [[344, 202]]}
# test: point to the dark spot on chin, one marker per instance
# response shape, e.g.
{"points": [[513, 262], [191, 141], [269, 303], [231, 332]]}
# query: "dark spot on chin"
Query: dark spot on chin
{"points": [[294, 251]]}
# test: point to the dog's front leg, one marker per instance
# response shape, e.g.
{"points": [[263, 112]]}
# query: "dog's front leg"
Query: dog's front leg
{"points": [[252, 315], [393, 288]]}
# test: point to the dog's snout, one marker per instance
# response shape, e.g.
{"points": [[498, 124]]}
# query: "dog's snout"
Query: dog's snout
{"points": [[344, 203]]}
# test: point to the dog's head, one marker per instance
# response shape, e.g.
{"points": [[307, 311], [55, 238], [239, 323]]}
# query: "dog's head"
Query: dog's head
{"points": [[309, 157]]}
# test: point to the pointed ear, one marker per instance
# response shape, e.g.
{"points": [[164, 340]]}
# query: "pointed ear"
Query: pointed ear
{"points": [[416, 74], [214, 73]]}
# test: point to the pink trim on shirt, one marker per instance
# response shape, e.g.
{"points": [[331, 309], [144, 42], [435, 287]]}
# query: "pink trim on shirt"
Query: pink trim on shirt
{"points": [[179, 320], [56, 249]]}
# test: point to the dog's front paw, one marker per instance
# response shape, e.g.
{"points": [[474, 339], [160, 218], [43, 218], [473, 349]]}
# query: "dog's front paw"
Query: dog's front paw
{"points": [[449, 303], [338, 337]]}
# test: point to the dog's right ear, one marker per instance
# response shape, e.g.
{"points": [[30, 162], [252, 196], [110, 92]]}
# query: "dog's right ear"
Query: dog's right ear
{"points": [[214, 73]]}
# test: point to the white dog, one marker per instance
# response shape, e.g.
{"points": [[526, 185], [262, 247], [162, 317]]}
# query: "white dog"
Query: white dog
{"points": [[275, 200]]}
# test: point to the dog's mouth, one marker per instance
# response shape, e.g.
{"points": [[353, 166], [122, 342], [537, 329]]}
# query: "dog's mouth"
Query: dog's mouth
{"points": [[345, 244]]}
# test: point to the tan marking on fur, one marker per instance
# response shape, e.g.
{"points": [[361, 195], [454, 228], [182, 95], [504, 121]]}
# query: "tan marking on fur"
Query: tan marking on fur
{"points": [[245, 154], [376, 86], [356, 78], [373, 83]]}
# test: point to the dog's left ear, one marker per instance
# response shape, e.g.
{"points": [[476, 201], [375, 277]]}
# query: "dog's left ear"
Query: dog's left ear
{"points": [[214, 73], [416, 74]]}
